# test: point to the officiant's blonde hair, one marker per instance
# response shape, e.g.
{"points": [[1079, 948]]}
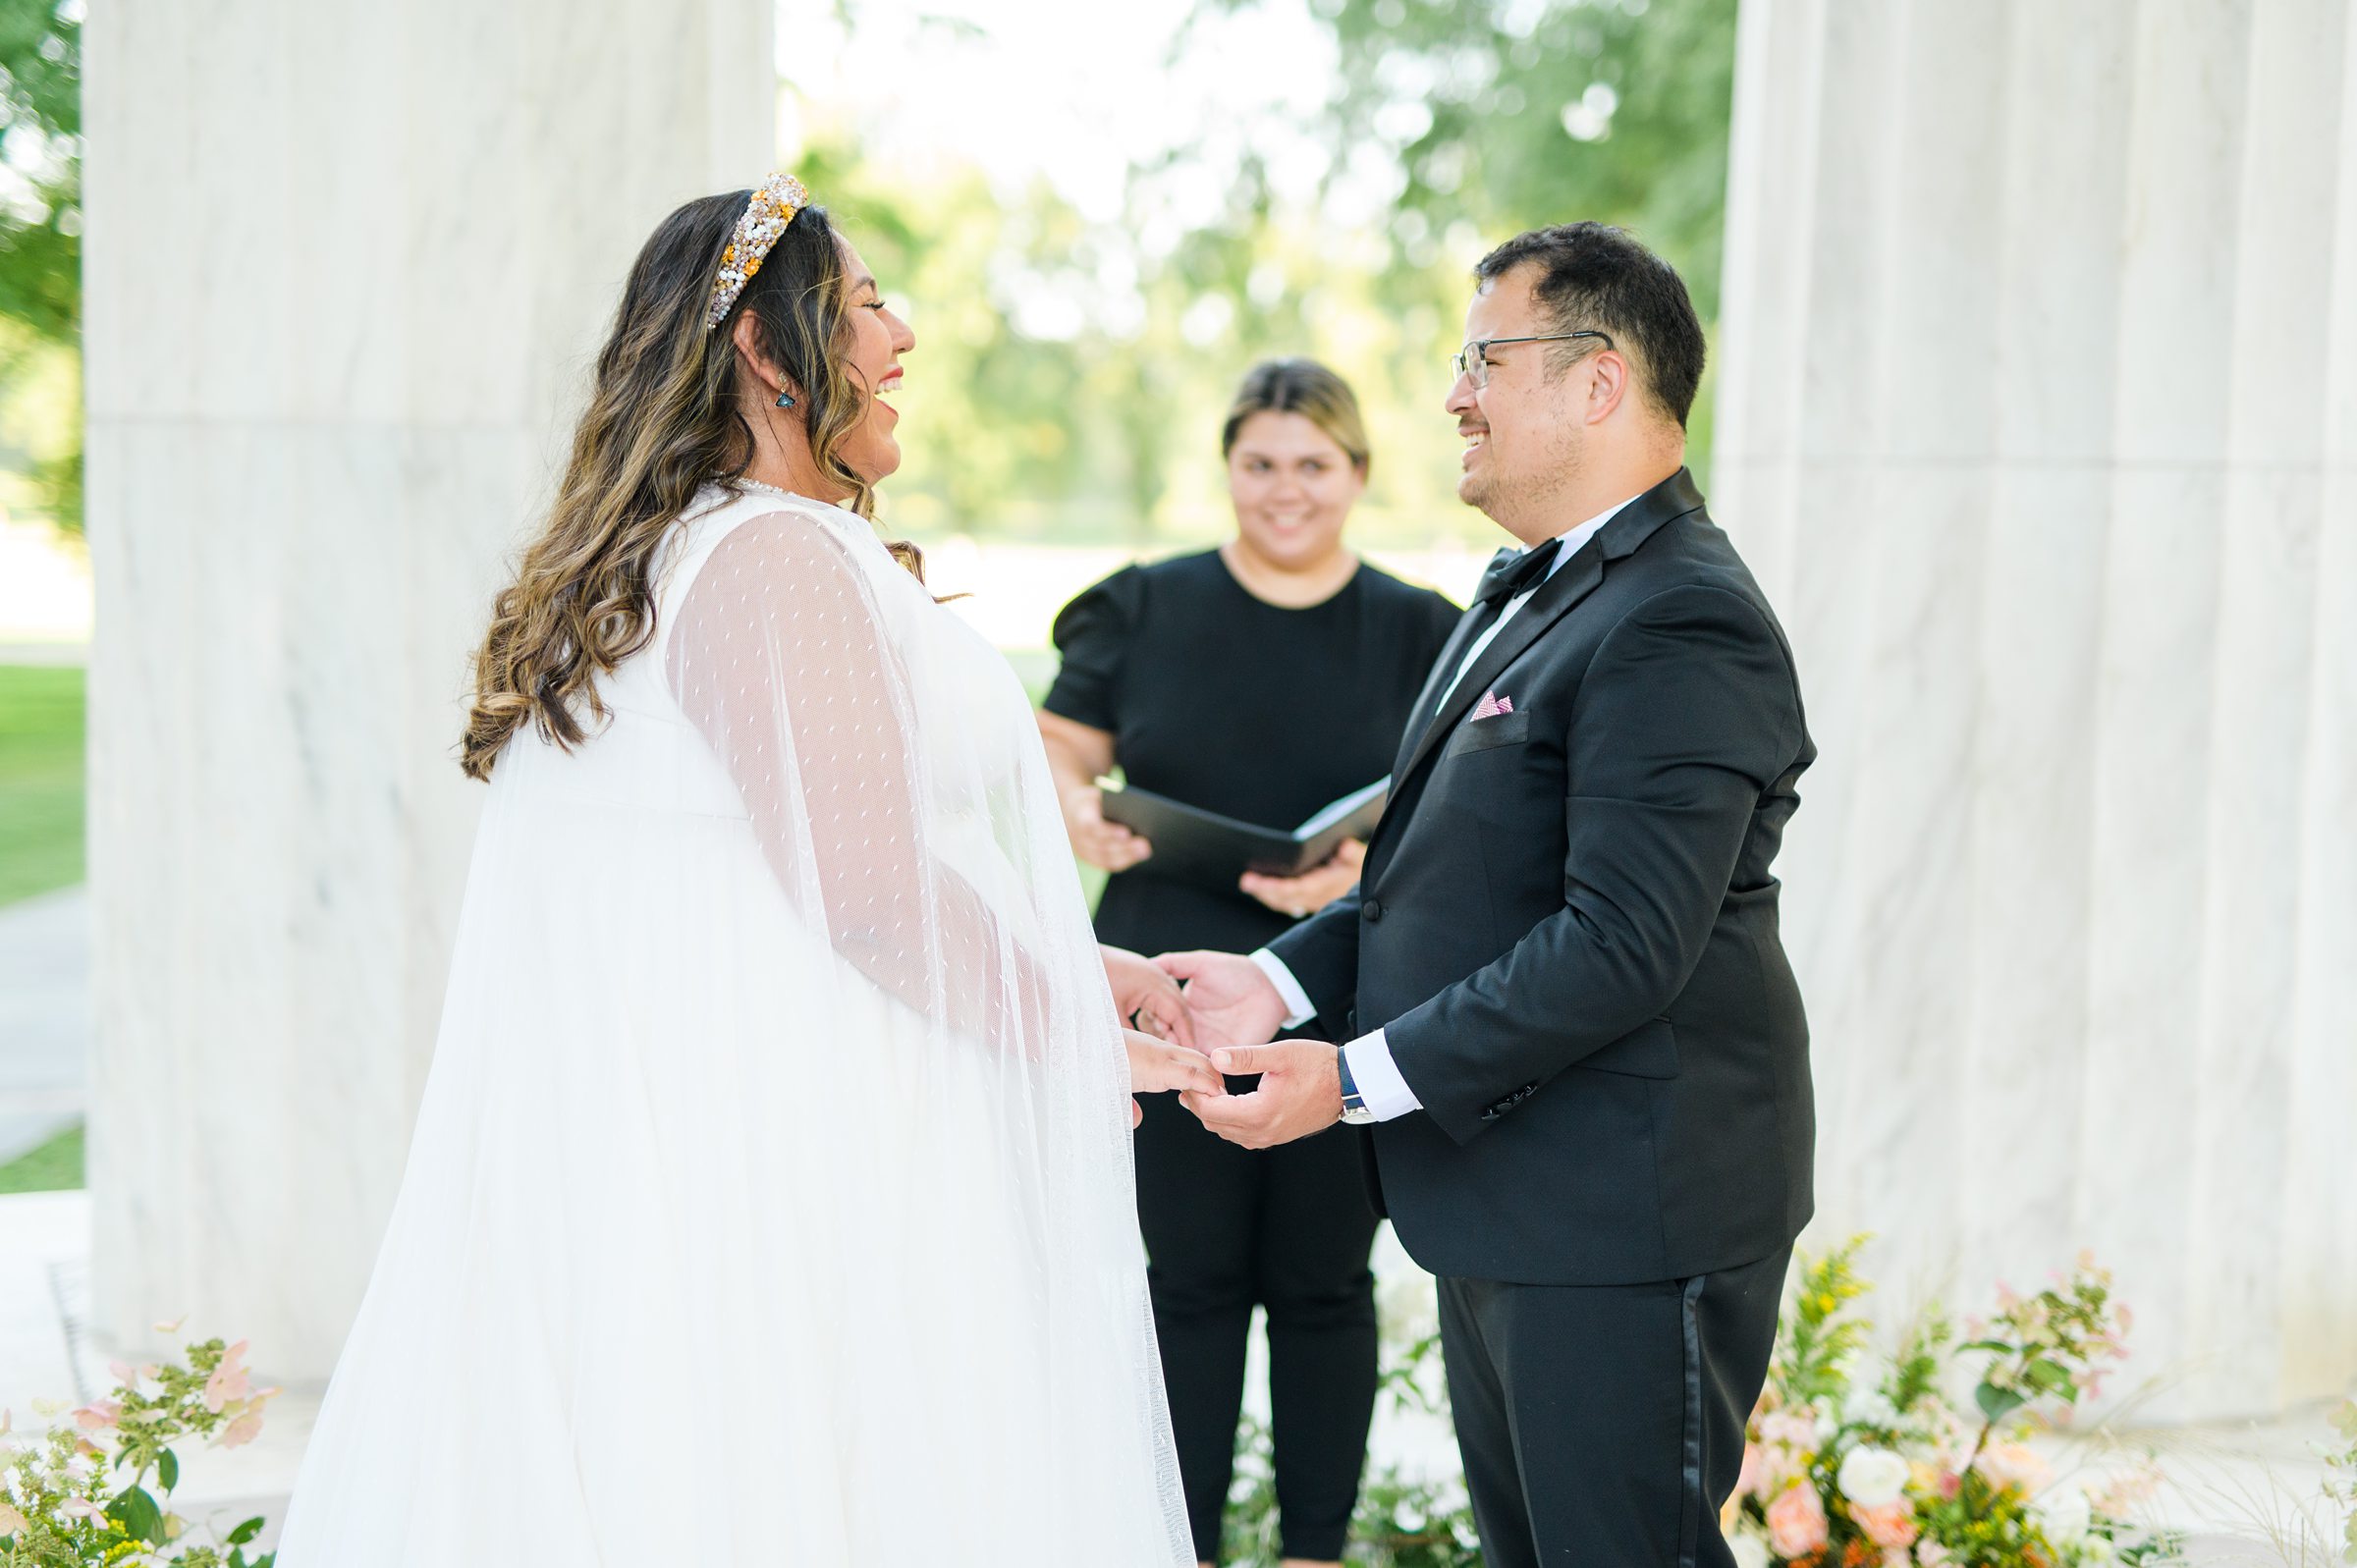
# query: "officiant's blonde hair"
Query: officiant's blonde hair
{"points": [[1308, 389], [664, 420]]}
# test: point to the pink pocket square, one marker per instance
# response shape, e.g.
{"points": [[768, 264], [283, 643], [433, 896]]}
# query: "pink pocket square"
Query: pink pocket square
{"points": [[1491, 705]]}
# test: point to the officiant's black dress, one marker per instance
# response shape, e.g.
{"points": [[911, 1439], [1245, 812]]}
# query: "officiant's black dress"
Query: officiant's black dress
{"points": [[1224, 701]]}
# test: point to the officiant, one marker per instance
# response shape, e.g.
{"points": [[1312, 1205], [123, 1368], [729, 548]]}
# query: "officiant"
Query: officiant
{"points": [[1260, 679]]}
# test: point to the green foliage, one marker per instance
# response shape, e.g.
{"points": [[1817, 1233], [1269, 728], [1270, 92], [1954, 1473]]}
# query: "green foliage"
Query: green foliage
{"points": [[40, 245], [1402, 1521], [1512, 113], [1820, 1335], [55, 1166], [77, 1495], [2340, 1484], [40, 779]]}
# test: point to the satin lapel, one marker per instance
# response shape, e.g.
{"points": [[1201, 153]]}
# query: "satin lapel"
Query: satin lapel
{"points": [[1574, 581], [1419, 717]]}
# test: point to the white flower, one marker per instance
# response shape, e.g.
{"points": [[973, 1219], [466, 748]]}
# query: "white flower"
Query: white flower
{"points": [[1872, 1478], [2065, 1512], [1868, 1406], [1750, 1550]]}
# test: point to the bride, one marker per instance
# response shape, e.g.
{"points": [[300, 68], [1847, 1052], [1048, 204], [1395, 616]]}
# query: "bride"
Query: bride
{"points": [[770, 1201]]}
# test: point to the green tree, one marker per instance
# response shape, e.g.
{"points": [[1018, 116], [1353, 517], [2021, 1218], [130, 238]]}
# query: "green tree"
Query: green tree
{"points": [[1516, 113], [40, 249]]}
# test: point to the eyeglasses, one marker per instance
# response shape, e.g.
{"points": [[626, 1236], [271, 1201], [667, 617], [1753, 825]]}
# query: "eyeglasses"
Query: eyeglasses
{"points": [[1473, 360]]}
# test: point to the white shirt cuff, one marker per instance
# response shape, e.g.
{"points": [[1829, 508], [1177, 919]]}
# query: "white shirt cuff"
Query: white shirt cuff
{"points": [[1377, 1078], [1296, 1001]]}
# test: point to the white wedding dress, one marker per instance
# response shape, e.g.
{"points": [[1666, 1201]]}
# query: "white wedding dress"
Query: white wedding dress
{"points": [[770, 1202]]}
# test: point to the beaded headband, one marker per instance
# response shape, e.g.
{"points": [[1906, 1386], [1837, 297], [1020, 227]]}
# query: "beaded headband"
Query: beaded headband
{"points": [[766, 218]]}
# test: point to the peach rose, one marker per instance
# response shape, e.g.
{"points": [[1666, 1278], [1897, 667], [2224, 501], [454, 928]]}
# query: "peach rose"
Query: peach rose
{"points": [[1796, 1522], [2013, 1464], [1891, 1526]]}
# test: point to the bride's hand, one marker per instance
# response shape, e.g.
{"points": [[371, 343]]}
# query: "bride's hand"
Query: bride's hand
{"points": [[1156, 1066], [1139, 987]]}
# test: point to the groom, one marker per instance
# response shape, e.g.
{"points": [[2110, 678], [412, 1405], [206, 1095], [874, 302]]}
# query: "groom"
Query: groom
{"points": [[1567, 1011]]}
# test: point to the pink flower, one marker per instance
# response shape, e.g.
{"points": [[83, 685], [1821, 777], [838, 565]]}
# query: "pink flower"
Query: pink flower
{"points": [[1931, 1554], [1796, 1522], [99, 1414], [1793, 1429], [82, 1508], [1753, 1472], [242, 1431], [2127, 1318], [1891, 1526], [125, 1374], [230, 1380], [11, 1521], [1950, 1484]]}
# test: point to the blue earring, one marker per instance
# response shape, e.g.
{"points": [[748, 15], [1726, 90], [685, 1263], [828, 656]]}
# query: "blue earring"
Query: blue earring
{"points": [[784, 398]]}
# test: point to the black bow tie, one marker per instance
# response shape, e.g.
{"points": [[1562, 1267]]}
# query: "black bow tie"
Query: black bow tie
{"points": [[1513, 570]]}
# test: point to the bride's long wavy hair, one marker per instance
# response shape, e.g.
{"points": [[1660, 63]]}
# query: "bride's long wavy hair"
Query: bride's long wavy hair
{"points": [[664, 419]]}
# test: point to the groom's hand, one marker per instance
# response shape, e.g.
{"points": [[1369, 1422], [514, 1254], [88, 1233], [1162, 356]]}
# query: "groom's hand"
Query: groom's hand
{"points": [[1229, 999], [1300, 1093]]}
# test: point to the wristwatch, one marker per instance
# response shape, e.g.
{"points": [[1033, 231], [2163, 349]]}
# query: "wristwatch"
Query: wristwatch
{"points": [[1354, 1109]]}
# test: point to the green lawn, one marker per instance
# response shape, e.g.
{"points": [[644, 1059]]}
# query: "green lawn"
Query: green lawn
{"points": [[55, 1166], [40, 779]]}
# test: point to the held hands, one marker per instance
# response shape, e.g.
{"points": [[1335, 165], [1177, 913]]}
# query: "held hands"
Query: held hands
{"points": [[1300, 1093], [1156, 1066], [1231, 1002], [1313, 889], [1107, 846], [1147, 996]]}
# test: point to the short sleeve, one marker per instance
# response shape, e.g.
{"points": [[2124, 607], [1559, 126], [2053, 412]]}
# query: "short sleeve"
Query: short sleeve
{"points": [[1092, 635]]}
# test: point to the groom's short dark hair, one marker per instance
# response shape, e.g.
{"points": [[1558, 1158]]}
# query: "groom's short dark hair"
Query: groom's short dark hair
{"points": [[1593, 276]]}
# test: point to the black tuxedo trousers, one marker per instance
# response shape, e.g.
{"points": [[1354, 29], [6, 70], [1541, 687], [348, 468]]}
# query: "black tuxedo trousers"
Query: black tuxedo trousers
{"points": [[1566, 929]]}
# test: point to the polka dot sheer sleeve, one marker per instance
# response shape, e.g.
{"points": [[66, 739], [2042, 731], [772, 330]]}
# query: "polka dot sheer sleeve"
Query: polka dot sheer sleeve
{"points": [[779, 656]]}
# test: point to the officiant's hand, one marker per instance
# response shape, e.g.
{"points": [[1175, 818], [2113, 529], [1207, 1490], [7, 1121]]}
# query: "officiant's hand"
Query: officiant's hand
{"points": [[1230, 1000], [1146, 996], [1313, 889], [1107, 846], [1157, 1066], [1300, 1093]]}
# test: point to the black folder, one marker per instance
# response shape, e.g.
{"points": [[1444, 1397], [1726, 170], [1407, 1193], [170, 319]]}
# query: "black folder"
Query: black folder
{"points": [[1201, 845]]}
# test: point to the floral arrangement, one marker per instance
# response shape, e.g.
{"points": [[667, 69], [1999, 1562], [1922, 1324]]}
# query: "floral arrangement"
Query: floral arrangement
{"points": [[1849, 1466], [64, 1501], [1402, 1521]]}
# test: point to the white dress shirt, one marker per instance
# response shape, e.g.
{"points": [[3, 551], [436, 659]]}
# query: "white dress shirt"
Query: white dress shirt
{"points": [[1372, 1070]]}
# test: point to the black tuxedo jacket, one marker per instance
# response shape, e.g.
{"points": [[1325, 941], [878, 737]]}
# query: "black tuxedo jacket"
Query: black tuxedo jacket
{"points": [[1567, 930]]}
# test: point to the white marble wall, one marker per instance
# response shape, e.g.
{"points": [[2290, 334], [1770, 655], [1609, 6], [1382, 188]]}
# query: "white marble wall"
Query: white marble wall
{"points": [[347, 263], [2038, 418]]}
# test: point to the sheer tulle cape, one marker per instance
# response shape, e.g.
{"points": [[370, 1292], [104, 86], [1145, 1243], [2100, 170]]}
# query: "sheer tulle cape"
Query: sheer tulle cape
{"points": [[771, 1197]]}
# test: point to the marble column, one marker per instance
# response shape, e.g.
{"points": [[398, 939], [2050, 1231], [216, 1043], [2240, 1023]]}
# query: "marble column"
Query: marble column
{"points": [[2038, 418], [347, 265]]}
